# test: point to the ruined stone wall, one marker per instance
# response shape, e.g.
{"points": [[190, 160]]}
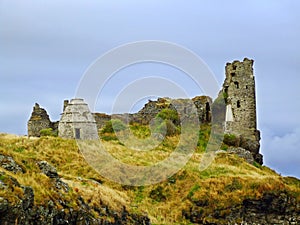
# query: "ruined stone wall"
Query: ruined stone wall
{"points": [[101, 119], [203, 105], [152, 108], [38, 121]]}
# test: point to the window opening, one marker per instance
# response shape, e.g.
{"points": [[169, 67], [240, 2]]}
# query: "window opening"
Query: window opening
{"points": [[77, 133], [236, 84]]}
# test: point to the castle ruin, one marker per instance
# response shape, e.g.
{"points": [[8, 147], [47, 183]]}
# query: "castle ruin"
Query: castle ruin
{"points": [[238, 92]]}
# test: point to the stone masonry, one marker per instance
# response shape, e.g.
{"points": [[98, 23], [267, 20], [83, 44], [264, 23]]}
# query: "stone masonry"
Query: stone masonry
{"points": [[38, 121], [77, 122], [152, 108], [239, 91], [239, 94]]}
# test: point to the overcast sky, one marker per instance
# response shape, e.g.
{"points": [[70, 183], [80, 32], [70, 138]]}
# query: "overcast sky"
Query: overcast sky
{"points": [[46, 46]]}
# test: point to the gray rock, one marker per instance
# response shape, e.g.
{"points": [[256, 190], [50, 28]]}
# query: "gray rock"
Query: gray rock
{"points": [[8, 163], [3, 205], [59, 184], [249, 144], [271, 208], [47, 169], [51, 172], [28, 200], [259, 158], [24, 211], [8, 178], [243, 153]]}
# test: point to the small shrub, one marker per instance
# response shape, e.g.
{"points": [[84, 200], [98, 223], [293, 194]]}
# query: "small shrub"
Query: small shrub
{"points": [[139, 195], [224, 147], [225, 96], [257, 165], [169, 114], [204, 134], [158, 194], [48, 132], [235, 185], [109, 137], [19, 149], [168, 128], [195, 188], [230, 139], [114, 125], [140, 131], [2, 177]]}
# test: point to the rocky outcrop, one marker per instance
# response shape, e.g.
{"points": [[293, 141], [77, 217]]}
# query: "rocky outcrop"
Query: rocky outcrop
{"points": [[18, 206], [50, 171], [242, 153], [47, 169], [48, 214], [26, 213], [8, 163], [249, 144], [38, 121], [271, 208]]}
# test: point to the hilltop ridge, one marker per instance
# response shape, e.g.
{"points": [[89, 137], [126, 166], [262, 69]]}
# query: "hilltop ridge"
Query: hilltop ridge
{"points": [[46, 179]]}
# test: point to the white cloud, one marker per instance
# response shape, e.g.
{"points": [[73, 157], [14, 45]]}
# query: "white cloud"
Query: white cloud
{"points": [[282, 153]]}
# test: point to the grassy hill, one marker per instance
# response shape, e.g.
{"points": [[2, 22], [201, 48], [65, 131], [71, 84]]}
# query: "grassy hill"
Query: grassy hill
{"points": [[230, 190]]}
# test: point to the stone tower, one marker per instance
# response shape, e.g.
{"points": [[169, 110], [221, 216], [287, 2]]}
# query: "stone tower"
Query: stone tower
{"points": [[77, 122], [239, 94]]}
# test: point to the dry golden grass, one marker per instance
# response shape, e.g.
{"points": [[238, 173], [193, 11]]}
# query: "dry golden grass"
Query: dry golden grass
{"points": [[95, 193], [226, 182], [139, 157], [71, 166]]}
